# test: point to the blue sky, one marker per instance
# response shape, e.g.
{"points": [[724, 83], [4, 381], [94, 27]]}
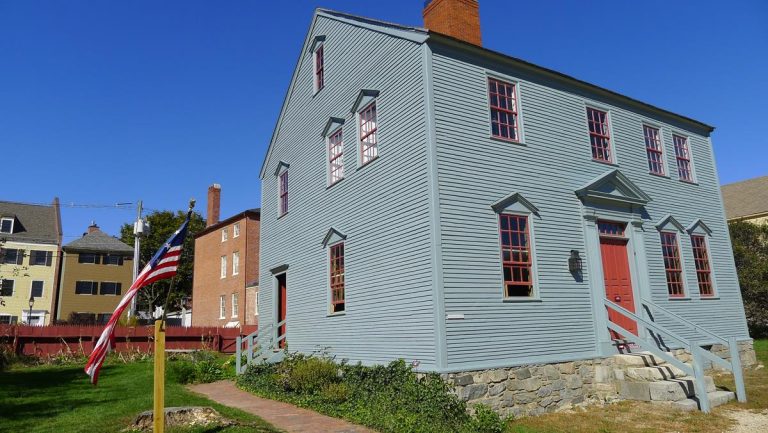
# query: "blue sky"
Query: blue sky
{"points": [[105, 102]]}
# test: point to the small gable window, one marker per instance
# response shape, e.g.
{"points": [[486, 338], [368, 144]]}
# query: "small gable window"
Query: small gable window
{"points": [[336, 273], [653, 149], [672, 264], [368, 126], [683, 157], [336, 156], [283, 193], [503, 106], [599, 134], [703, 269], [6, 225], [319, 68]]}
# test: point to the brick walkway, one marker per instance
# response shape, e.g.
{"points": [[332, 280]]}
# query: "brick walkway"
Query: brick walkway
{"points": [[284, 416]]}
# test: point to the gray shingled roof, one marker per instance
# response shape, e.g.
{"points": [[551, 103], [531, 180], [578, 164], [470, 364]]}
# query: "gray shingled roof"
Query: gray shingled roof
{"points": [[746, 198], [33, 223], [99, 242]]}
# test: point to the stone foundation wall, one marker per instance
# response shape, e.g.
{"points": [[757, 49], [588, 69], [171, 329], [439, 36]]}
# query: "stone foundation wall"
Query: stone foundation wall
{"points": [[537, 389], [746, 353]]}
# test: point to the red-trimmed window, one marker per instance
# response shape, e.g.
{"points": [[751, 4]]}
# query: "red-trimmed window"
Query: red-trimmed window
{"points": [[337, 277], [503, 102], [516, 255], [672, 264], [336, 156], [319, 69], [368, 143], [703, 270], [283, 193], [654, 149], [599, 135], [683, 156]]}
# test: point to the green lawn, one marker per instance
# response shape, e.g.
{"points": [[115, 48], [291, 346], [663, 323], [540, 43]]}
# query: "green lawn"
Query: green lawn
{"points": [[60, 399]]}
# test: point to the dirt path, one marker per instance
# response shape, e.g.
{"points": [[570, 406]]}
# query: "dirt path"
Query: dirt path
{"points": [[748, 421]]}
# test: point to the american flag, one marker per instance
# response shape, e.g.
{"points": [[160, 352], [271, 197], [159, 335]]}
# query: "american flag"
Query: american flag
{"points": [[163, 265]]}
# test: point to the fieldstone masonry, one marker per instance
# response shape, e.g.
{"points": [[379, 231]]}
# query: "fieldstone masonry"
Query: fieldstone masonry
{"points": [[541, 388], [746, 353]]}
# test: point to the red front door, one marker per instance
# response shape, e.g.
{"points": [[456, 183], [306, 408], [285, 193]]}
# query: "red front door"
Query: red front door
{"points": [[618, 283], [281, 306]]}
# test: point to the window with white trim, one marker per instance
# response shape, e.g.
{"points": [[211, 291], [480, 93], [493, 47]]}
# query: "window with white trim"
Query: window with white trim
{"points": [[256, 303], [224, 234], [223, 269], [222, 307], [11, 256], [235, 307], [6, 225], [236, 230], [7, 319], [236, 263], [36, 290]]}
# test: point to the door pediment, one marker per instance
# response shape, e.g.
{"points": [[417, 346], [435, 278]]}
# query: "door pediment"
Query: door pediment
{"points": [[615, 188]]}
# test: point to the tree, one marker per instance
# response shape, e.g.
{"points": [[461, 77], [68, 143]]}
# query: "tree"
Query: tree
{"points": [[162, 225], [750, 251]]}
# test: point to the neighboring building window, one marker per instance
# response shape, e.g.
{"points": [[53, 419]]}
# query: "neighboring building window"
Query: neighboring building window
{"points": [[88, 258], [236, 263], [37, 289], [112, 260], [223, 266], [40, 258], [86, 287], [337, 277], [368, 126], [256, 303], [683, 157], [222, 307], [703, 270], [672, 264], [516, 255], [336, 156], [110, 288], [224, 234], [6, 225], [654, 150], [6, 319], [6, 288], [319, 68], [82, 318], [234, 305], [283, 193], [11, 256], [236, 230], [103, 318], [503, 102], [599, 135]]}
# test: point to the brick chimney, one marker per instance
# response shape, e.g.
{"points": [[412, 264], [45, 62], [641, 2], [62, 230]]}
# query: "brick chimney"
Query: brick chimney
{"points": [[93, 227], [456, 18], [214, 204]]}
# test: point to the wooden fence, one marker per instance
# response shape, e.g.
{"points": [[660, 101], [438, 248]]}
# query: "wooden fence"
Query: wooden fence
{"points": [[50, 340]]}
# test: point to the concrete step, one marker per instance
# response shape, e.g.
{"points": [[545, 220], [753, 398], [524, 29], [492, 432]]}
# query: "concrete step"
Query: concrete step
{"points": [[640, 359], [663, 390], [663, 372], [716, 398]]}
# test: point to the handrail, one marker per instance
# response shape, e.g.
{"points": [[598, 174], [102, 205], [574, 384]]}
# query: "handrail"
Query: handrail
{"points": [[646, 323], [257, 343], [685, 321]]}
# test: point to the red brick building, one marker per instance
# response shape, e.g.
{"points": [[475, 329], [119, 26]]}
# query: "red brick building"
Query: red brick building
{"points": [[225, 289]]}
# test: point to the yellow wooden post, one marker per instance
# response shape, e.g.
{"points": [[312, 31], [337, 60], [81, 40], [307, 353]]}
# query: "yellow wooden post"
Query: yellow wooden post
{"points": [[159, 415]]}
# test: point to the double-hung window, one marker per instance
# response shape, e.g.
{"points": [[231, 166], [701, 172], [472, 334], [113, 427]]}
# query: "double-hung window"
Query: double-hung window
{"points": [[654, 150], [236, 230], [336, 156], [703, 269], [503, 104], [11, 256], [6, 288], [223, 267], [222, 307], [368, 126], [319, 68], [110, 288], [86, 287], [36, 291], [516, 257], [683, 157], [224, 234], [673, 266], [235, 307], [337, 277], [89, 258], [283, 181], [599, 135], [236, 263]]}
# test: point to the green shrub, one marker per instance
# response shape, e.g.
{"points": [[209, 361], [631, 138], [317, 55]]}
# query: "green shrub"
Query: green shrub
{"points": [[197, 367], [181, 371], [485, 421], [335, 393], [310, 375]]}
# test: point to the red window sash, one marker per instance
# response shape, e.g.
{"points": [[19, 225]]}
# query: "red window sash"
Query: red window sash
{"points": [[368, 128], [335, 156], [672, 265], [654, 149], [610, 229], [519, 265], [319, 69], [599, 135], [337, 277], [703, 269], [284, 193], [683, 157], [507, 92]]}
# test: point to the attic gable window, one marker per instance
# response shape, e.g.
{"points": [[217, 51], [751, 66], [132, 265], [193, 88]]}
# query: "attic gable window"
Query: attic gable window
{"points": [[283, 193], [6, 225], [319, 68], [654, 150], [503, 106], [683, 157], [672, 264], [599, 135]]}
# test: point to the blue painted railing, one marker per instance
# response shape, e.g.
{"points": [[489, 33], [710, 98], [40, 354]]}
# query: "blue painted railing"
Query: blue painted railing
{"points": [[263, 345]]}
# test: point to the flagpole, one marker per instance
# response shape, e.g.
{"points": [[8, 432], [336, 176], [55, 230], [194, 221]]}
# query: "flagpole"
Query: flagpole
{"points": [[158, 416]]}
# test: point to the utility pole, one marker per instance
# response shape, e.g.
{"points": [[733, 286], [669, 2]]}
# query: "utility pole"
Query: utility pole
{"points": [[138, 232]]}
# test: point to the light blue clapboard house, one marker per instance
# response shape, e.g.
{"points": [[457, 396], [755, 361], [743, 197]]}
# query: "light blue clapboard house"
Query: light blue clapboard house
{"points": [[429, 199]]}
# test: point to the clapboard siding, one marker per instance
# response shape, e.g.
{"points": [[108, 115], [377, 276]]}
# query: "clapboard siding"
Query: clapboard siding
{"points": [[382, 207], [475, 171]]}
